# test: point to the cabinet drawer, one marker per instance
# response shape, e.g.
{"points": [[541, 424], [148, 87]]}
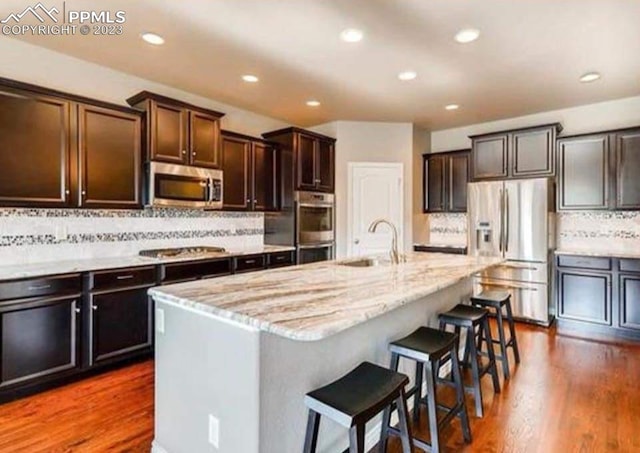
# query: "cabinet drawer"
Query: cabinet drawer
{"points": [[193, 270], [122, 278], [250, 263], [281, 259], [37, 287], [629, 265], [585, 262]]}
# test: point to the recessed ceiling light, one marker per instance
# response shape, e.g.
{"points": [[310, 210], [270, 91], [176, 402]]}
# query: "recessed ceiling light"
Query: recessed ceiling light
{"points": [[351, 35], [152, 38], [313, 103], [407, 75], [452, 107], [467, 35], [250, 78], [590, 77]]}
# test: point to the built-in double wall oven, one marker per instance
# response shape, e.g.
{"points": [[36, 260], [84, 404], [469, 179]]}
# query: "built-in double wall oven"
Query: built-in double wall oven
{"points": [[315, 226]]}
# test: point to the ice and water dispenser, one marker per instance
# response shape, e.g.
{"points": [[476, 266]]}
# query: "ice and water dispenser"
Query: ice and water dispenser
{"points": [[484, 237]]}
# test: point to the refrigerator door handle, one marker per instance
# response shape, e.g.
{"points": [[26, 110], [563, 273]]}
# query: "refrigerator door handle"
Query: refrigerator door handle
{"points": [[501, 235], [506, 216]]}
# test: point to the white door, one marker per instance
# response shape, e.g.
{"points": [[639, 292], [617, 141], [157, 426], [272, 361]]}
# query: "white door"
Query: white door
{"points": [[375, 192]]}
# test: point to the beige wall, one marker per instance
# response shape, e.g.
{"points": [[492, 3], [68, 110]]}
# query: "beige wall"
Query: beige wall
{"points": [[421, 145], [615, 114], [370, 142], [28, 63]]}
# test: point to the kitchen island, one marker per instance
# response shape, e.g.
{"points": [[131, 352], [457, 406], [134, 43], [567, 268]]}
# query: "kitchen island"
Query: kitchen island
{"points": [[236, 355]]}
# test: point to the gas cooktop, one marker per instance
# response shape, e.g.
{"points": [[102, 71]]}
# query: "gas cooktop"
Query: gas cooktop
{"points": [[182, 252]]}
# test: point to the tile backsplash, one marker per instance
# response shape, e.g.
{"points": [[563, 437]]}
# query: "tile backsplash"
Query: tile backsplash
{"points": [[39, 235], [593, 231], [449, 228], [599, 231]]}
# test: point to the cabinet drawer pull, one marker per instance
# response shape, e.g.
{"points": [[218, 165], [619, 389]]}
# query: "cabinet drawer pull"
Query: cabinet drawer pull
{"points": [[39, 287], [124, 277], [250, 261], [280, 258]]}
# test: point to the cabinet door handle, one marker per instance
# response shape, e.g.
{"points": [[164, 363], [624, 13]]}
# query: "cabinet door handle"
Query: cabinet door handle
{"points": [[124, 277], [94, 307], [39, 287], [250, 261], [184, 151], [193, 153], [77, 310]]}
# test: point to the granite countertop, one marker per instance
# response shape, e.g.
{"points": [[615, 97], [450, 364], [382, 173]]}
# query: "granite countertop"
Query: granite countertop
{"points": [[317, 300], [94, 264], [632, 254]]}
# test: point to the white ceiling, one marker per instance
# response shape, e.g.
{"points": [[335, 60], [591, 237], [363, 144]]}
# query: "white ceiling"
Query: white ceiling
{"points": [[528, 59]]}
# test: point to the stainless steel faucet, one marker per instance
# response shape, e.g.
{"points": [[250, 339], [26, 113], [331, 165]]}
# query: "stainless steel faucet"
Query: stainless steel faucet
{"points": [[396, 258]]}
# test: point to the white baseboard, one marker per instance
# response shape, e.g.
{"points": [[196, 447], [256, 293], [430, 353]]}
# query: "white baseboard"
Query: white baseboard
{"points": [[156, 448]]}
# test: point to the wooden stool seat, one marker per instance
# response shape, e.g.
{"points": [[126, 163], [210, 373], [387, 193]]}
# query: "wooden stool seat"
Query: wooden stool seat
{"points": [[424, 344], [353, 400]]}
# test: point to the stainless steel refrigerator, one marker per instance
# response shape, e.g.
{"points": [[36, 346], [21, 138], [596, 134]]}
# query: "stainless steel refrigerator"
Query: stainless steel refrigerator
{"points": [[515, 220]]}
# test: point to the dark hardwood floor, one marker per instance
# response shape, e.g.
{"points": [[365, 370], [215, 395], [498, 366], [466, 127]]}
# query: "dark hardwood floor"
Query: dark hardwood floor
{"points": [[568, 395]]}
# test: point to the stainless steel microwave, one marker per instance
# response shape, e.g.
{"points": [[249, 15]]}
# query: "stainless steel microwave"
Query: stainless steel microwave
{"points": [[173, 185]]}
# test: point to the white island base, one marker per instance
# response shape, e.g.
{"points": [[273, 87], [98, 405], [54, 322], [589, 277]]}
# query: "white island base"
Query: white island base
{"points": [[251, 382]]}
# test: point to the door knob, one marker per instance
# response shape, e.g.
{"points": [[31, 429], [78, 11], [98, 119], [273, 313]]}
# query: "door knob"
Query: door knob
{"points": [[357, 241]]}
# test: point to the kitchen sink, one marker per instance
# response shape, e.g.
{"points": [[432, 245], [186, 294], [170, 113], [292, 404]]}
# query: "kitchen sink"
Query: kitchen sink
{"points": [[364, 262]]}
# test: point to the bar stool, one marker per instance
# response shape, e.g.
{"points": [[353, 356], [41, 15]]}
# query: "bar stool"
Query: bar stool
{"points": [[472, 318], [494, 301], [353, 400], [427, 347]]}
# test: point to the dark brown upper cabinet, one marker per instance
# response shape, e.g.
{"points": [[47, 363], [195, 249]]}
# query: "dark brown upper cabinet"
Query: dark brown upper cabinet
{"points": [[583, 172], [110, 158], [61, 150], [627, 144], [445, 177], [250, 173], [312, 156], [178, 132], [35, 149], [599, 171], [521, 153]]}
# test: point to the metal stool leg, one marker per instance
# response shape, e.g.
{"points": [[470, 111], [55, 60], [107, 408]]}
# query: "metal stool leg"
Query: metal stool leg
{"points": [[475, 371], [311, 437], [512, 331], [503, 344], [405, 429], [432, 406]]}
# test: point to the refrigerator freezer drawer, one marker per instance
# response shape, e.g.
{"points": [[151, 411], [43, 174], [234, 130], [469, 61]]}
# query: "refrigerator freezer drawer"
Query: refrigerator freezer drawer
{"points": [[529, 301], [519, 271]]}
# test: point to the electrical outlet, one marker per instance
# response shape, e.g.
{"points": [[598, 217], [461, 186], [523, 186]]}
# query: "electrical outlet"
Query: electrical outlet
{"points": [[62, 233], [214, 431], [159, 320]]}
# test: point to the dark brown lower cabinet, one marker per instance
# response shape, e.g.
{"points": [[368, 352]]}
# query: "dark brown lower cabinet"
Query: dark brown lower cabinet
{"points": [[120, 324], [40, 339], [585, 296], [599, 294], [630, 301]]}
